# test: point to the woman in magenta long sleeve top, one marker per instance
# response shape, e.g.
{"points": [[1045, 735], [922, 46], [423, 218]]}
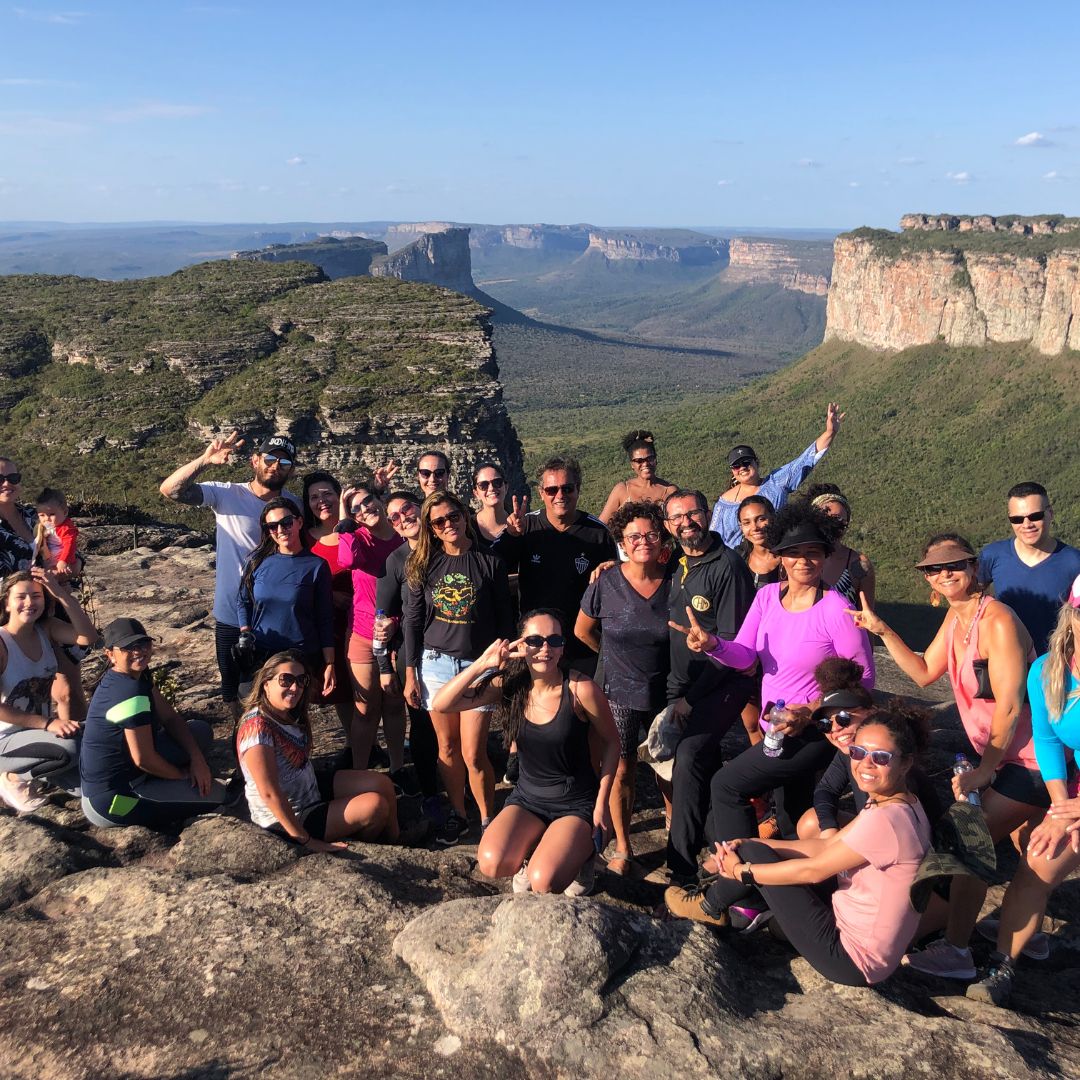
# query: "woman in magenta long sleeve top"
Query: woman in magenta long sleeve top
{"points": [[791, 627]]}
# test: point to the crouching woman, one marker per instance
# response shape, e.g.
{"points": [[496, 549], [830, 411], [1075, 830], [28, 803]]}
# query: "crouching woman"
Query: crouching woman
{"points": [[284, 795], [842, 902]]}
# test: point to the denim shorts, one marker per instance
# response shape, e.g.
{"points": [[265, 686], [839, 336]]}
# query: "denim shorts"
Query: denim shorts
{"points": [[436, 670]]}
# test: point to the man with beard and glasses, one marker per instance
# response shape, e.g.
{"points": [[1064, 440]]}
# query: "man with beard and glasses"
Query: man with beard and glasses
{"points": [[236, 509], [555, 550], [714, 582], [1032, 572]]}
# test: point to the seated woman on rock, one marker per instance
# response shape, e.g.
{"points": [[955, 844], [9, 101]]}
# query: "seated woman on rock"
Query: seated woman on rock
{"points": [[141, 762], [284, 795], [36, 748], [843, 902], [557, 816]]}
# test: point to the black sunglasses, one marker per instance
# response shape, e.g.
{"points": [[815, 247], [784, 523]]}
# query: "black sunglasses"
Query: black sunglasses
{"points": [[272, 459], [409, 514], [286, 680], [878, 757], [281, 523], [841, 719], [743, 463], [362, 505], [495, 485], [643, 460], [11, 478], [554, 489], [426, 474], [538, 641], [937, 568], [447, 519], [1019, 519]]}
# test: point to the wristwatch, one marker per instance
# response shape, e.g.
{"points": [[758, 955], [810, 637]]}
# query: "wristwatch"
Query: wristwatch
{"points": [[747, 875]]}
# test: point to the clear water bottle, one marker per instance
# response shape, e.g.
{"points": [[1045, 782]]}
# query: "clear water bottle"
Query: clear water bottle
{"points": [[774, 740], [962, 765], [378, 646]]}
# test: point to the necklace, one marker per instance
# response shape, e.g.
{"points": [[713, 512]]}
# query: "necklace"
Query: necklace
{"points": [[968, 627], [901, 795]]}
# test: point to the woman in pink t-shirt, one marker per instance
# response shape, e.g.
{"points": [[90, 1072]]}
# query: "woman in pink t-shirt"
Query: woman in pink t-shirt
{"points": [[843, 902]]}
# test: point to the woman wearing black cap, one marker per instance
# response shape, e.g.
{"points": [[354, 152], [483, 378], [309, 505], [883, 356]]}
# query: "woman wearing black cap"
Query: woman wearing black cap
{"points": [[776, 487], [141, 763], [791, 627]]}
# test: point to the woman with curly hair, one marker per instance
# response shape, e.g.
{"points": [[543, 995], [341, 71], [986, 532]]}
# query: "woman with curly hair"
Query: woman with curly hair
{"points": [[458, 603], [791, 627], [644, 485], [627, 608]]}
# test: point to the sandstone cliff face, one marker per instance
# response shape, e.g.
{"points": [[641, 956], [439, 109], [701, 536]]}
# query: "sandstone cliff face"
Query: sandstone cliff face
{"points": [[1047, 225], [546, 238], [617, 247], [895, 301], [437, 258], [335, 256], [771, 262], [406, 232]]}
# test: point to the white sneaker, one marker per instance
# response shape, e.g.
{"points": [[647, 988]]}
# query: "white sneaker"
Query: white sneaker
{"points": [[1037, 948], [20, 794], [522, 884], [943, 960], [585, 882]]}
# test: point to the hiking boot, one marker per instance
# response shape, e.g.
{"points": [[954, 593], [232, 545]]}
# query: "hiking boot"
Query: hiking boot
{"points": [[21, 794], [943, 960], [689, 903], [748, 919], [1037, 948], [452, 831], [995, 988], [585, 881], [521, 882]]}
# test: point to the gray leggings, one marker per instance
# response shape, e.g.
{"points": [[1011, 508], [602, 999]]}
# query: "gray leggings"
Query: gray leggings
{"points": [[43, 755]]}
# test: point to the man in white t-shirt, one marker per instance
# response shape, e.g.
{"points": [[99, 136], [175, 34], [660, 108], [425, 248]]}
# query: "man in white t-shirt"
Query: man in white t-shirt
{"points": [[237, 508]]}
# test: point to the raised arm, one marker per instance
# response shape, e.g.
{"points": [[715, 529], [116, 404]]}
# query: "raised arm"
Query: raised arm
{"points": [[921, 670], [458, 694], [180, 485]]}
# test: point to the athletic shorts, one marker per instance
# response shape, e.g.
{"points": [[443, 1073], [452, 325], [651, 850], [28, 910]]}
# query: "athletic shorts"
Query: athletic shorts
{"points": [[1021, 785], [313, 818], [436, 670], [551, 810], [360, 650]]}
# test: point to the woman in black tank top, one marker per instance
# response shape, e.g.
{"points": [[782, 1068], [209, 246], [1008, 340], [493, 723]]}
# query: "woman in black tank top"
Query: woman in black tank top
{"points": [[559, 803]]}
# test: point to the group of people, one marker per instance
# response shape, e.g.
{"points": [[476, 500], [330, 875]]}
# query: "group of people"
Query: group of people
{"points": [[433, 614]]}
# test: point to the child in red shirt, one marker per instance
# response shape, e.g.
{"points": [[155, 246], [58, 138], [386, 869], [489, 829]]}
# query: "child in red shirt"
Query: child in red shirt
{"points": [[57, 535]]}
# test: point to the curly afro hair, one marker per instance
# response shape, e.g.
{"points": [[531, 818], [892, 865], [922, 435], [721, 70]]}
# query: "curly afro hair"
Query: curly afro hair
{"points": [[838, 673], [800, 515]]}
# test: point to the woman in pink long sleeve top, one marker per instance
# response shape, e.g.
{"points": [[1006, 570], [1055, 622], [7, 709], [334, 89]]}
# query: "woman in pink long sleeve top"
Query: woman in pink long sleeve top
{"points": [[791, 627]]}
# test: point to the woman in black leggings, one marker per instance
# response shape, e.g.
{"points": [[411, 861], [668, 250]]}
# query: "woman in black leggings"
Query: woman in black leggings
{"points": [[843, 902]]}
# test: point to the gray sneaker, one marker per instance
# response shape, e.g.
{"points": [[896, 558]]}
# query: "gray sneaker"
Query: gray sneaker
{"points": [[1037, 948], [995, 988], [521, 883]]}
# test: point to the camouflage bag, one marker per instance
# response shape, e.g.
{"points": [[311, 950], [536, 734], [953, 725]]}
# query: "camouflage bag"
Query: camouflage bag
{"points": [[960, 844]]}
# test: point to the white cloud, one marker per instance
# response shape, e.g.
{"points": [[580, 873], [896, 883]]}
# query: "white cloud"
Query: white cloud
{"points": [[909, 161], [56, 18], [724, 183], [854, 183], [296, 159], [1053, 176], [31, 126], [808, 163], [156, 110], [1033, 138], [959, 177]]}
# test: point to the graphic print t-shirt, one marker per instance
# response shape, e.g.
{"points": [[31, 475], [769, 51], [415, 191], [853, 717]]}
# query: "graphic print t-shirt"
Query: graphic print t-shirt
{"points": [[292, 754]]}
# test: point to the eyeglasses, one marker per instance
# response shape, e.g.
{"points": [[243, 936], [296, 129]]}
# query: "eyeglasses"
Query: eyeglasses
{"points": [[538, 641], [285, 523], [878, 757], [286, 680], [427, 474], [938, 568], [743, 463], [555, 489], [270, 460], [363, 505], [678, 519], [404, 515], [11, 478], [634, 539], [1019, 519], [495, 485], [447, 519], [650, 460]]}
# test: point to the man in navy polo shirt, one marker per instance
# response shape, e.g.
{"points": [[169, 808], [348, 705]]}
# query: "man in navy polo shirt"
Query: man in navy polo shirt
{"points": [[1033, 572]]}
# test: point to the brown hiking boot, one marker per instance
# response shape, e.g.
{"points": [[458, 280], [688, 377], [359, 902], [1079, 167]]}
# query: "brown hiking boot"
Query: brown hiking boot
{"points": [[688, 903]]}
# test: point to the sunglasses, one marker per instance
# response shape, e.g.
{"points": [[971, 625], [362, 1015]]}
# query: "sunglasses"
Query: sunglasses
{"points": [[938, 568], [270, 460], [555, 489], [841, 719], [1019, 519], [538, 641], [743, 463], [136, 646], [878, 757], [634, 539], [404, 515], [285, 523], [287, 681], [427, 474], [651, 459], [495, 485], [678, 519], [362, 506], [11, 478], [447, 519]]}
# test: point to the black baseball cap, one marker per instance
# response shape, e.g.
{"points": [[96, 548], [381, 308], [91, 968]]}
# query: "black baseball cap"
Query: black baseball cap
{"points": [[278, 444], [838, 699], [740, 452], [121, 633]]}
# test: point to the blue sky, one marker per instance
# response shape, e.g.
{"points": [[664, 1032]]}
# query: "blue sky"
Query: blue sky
{"points": [[782, 114]]}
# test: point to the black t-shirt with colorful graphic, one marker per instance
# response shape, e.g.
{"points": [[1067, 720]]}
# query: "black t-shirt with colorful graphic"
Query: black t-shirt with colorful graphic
{"points": [[463, 607]]}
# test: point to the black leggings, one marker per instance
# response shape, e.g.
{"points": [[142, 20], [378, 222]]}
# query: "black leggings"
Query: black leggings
{"points": [[803, 912], [225, 637], [423, 744]]}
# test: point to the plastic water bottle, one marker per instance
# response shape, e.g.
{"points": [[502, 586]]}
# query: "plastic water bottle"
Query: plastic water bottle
{"points": [[378, 647], [774, 740], [962, 765]]}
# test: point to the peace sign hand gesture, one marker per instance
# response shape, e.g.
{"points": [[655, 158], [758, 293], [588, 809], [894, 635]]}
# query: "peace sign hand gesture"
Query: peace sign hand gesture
{"points": [[865, 619], [698, 639], [384, 474], [515, 522], [220, 451]]}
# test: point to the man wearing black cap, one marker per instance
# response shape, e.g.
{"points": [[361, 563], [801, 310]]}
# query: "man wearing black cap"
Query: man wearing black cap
{"points": [[237, 508]]}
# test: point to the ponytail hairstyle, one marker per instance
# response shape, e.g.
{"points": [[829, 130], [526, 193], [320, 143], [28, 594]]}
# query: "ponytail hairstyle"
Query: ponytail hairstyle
{"points": [[909, 726], [1059, 656], [267, 546], [840, 673], [427, 543], [639, 440]]}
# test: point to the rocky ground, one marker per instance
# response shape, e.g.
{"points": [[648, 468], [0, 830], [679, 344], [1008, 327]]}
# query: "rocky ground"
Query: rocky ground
{"points": [[225, 953]]}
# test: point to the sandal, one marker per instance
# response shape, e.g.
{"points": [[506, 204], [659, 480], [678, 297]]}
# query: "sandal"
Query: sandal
{"points": [[623, 857]]}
